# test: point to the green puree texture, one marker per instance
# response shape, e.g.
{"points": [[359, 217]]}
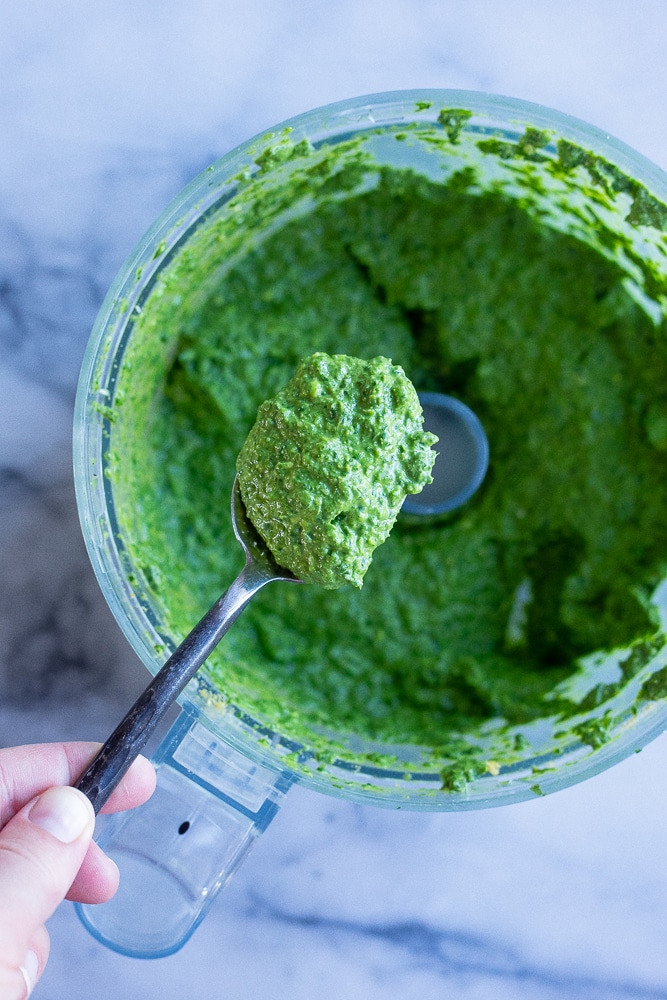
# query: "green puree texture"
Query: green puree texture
{"points": [[328, 463], [480, 615]]}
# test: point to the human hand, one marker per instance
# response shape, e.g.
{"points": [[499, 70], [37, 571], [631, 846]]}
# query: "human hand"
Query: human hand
{"points": [[46, 850]]}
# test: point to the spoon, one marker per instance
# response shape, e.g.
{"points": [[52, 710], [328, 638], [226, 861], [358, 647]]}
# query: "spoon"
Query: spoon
{"points": [[131, 735], [464, 442]]}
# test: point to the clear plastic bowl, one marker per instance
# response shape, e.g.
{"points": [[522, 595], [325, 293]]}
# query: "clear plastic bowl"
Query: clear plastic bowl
{"points": [[414, 780]]}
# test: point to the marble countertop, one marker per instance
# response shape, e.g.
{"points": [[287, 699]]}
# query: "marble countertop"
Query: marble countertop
{"points": [[106, 110]]}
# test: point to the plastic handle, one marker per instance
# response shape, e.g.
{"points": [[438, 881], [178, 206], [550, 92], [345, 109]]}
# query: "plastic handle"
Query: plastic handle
{"points": [[178, 850]]}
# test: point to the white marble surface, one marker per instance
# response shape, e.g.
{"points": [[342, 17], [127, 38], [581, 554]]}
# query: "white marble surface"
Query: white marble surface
{"points": [[106, 109]]}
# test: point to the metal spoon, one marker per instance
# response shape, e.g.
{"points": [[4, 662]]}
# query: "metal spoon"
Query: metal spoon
{"points": [[131, 735]]}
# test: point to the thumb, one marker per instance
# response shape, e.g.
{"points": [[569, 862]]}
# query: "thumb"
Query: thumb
{"points": [[41, 850]]}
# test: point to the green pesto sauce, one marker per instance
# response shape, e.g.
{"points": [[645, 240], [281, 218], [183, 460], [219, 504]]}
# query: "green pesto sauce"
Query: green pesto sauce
{"points": [[328, 463], [479, 281]]}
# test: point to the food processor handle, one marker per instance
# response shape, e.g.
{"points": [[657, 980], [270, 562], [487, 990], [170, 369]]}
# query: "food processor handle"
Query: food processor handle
{"points": [[130, 736], [180, 848]]}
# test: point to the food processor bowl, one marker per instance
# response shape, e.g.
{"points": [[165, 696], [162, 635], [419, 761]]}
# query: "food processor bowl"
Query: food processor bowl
{"points": [[224, 769]]}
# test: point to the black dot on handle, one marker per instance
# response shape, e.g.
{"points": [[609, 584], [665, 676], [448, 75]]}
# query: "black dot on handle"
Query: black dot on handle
{"points": [[184, 827]]}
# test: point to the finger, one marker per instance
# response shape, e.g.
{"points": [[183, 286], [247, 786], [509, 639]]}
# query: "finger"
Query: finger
{"points": [[35, 959], [97, 878], [29, 770], [29, 972], [41, 850], [135, 787]]}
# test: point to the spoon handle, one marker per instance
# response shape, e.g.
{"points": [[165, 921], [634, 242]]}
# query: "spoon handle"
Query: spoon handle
{"points": [[131, 735]]}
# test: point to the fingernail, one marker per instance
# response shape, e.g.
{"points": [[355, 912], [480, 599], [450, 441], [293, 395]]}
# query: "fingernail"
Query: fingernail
{"points": [[63, 812], [29, 970]]}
